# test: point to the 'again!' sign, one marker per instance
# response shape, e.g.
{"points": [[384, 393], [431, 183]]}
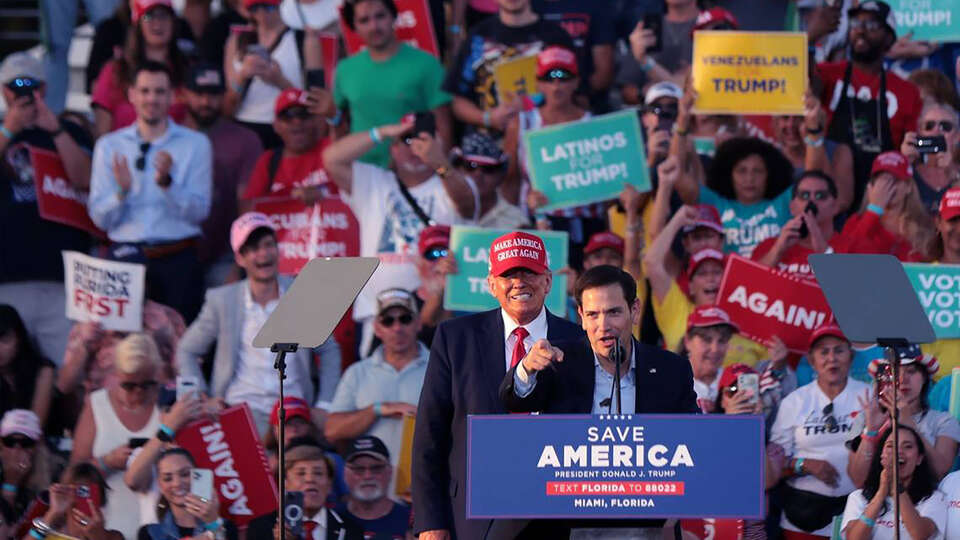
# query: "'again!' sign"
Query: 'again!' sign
{"points": [[749, 72]]}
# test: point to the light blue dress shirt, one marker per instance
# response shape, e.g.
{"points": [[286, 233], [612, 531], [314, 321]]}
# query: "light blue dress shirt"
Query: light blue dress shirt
{"points": [[150, 213]]}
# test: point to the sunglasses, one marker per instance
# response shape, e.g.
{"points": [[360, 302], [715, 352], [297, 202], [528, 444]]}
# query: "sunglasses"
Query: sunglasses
{"points": [[946, 126], [667, 113], [15, 441], [869, 26], [557, 75], [141, 161], [404, 319], [295, 112], [435, 253], [360, 470], [265, 7], [815, 195], [157, 15], [130, 386], [829, 419]]}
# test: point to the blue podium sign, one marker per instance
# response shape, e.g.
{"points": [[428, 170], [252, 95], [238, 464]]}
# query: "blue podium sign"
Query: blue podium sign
{"points": [[626, 466]]}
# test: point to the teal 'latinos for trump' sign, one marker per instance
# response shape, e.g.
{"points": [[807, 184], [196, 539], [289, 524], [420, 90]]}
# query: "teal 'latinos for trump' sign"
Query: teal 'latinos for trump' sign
{"points": [[579, 163], [467, 290], [929, 20], [938, 288]]}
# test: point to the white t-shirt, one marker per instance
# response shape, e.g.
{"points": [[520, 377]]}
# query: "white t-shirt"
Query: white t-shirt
{"points": [[258, 102], [318, 13], [950, 487], [932, 507], [937, 424], [804, 431], [390, 229]]}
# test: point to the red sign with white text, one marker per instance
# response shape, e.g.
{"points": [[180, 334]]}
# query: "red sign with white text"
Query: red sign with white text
{"points": [[713, 529], [231, 449], [326, 229], [57, 200], [765, 302], [413, 25]]}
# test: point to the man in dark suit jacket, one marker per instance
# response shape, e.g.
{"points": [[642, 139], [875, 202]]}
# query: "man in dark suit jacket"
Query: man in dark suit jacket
{"points": [[469, 358], [577, 377]]}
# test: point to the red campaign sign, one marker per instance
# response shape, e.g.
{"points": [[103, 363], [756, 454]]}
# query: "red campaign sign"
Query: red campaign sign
{"points": [[326, 229], [330, 48], [57, 200], [231, 449], [765, 302], [713, 529], [414, 25]]}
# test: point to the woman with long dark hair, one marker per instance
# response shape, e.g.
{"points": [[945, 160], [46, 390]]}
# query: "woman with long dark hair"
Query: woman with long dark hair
{"points": [[923, 513], [26, 377]]}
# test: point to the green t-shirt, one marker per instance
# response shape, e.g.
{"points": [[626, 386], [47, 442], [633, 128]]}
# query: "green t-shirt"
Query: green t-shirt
{"points": [[380, 93], [746, 225]]}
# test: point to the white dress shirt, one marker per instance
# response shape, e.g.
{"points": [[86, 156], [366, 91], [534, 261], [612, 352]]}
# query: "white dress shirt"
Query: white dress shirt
{"points": [[536, 330]]}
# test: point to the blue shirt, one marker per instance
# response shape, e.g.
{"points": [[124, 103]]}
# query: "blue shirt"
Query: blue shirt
{"points": [[150, 213]]}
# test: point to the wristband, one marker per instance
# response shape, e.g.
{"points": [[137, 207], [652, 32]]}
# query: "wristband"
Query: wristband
{"points": [[798, 467], [815, 142], [166, 429], [875, 209], [377, 409], [6, 132], [103, 465], [486, 119], [213, 525], [871, 434], [455, 29], [648, 65], [869, 522], [336, 120], [375, 136], [10, 488], [37, 534]]}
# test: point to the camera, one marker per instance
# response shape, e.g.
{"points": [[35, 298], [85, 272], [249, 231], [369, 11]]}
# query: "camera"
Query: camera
{"points": [[293, 512], [931, 145]]}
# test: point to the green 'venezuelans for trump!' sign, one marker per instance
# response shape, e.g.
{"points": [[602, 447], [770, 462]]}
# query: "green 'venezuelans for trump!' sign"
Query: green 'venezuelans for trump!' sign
{"points": [[579, 163], [467, 290], [938, 289], [929, 20]]}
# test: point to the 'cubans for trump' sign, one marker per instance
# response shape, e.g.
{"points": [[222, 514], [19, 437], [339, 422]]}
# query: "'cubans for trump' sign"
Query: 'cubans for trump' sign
{"points": [[106, 292], [467, 290], [620, 466], [765, 302], [578, 163], [938, 289], [326, 229], [749, 72], [929, 20]]}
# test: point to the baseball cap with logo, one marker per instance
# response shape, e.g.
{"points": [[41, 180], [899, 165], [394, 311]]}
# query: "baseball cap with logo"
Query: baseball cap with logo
{"points": [[950, 204], [660, 90], [391, 298], [731, 372], [881, 11], [291, 97], [295, 408], [707, 316], [21, 65], [21, 421], [518, 250], [556, 57], [702, 256], [434, 236], [894, 163], [824, 330], [368, 446], [205, 77], [602, 240], [246, 224], [141, 7], [707, 216], [712, 16], [927, 361]]}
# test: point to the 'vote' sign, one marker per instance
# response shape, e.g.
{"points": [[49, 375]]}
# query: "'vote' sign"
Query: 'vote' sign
{"points": [[938, 288]]}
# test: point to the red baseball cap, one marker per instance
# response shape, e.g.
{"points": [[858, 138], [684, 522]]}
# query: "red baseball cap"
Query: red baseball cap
{"points": [[950, 204], [731, 372], [291, 97], [705, 254], [556, 57], [824, 330], [707, 216], [248, 3], [894, 163], [602, 240], [707, 316], [518, 250], [433, 236], [713, 15], [295, 407], [142, 6]]}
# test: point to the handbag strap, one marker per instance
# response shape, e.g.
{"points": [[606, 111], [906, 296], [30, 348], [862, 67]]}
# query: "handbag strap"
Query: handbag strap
{"points": [[413, 203]]}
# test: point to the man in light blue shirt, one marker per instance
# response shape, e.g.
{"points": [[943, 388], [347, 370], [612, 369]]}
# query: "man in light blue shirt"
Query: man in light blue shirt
{"points": [[150, 191]]}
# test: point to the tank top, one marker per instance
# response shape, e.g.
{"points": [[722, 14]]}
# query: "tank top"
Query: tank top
{"points": [[257, 105]]}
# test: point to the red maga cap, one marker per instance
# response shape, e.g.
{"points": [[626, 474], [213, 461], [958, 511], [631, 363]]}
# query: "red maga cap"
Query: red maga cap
{"points": [[556, 58], [894, 163], [142, 6], [294, 407], [434, 236], [950, 204], [518, 250], [712, 15], [698, 258], [707, 316], [291, 97], [602, 240], [707, 216], [824, 330]]}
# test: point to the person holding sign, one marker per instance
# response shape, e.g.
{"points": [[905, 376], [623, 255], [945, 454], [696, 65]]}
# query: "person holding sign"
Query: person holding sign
{"points": [[469, 357]]}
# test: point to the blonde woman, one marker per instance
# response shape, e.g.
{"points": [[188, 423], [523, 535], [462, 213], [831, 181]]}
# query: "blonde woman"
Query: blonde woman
{"points": [[112, 416]]}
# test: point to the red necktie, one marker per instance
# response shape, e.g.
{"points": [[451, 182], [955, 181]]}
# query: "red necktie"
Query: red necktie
{"points": [[519, 351], [308, 527]]}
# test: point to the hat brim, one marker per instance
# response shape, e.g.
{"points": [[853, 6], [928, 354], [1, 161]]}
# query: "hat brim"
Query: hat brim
{"points": [[831, 333], [704, 224], [523, 263], [368, 453], [714, 324]]}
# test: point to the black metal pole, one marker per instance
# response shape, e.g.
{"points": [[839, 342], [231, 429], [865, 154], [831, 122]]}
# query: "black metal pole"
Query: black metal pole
{"points": [[616, 375], [281, 350], [893, 358]]}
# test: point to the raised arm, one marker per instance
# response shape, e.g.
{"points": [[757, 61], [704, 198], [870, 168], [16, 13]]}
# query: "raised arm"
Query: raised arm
{"points": [[654, 260], [690, 172], [338, 158]]}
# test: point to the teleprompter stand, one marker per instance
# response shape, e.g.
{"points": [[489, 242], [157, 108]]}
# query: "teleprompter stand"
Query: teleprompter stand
{"points": [[305, 317], [874, 302]]}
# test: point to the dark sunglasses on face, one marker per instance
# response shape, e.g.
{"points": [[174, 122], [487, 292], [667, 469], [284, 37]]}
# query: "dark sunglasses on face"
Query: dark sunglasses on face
{"points": [[130, 386], [815, 195], [946, 126], [404, 319], [557, 75], [11, 441], [665, 113], [294, 112], [157, 15], [265, 7], [435, 253], [141, 161]]}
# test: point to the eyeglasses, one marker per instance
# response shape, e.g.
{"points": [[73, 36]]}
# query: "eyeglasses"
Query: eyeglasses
{"points": [[294, 112], [156, 15], [869, 26], [130, 386], [141, 161], [667, 113], [265, 7], [815, 195], [557, 75], [404, 319], [946, 126], [11, 441], [435, 253], [828, 417], [360, 470]]}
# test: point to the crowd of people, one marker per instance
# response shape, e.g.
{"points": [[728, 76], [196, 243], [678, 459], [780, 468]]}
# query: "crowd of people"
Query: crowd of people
{"points": [[199, 116]]}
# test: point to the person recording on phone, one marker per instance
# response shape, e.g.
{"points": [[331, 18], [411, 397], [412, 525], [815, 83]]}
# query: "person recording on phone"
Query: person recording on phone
{"points": [[75, 506], [931, 151]]}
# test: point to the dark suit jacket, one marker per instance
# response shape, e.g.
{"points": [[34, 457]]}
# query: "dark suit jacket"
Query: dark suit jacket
{"points": [[664, 383], [463, 376], [262, 527]]}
